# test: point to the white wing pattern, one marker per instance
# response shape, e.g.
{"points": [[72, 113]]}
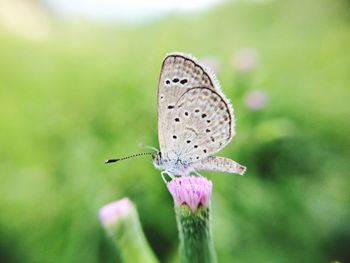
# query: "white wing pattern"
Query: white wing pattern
{"points": [[195, 119]]}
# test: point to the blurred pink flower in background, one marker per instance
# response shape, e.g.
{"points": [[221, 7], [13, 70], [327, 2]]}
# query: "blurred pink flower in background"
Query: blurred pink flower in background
{"points": [[191, 190], [245, 60], [212, 63], [256, 100], [112, 212]]}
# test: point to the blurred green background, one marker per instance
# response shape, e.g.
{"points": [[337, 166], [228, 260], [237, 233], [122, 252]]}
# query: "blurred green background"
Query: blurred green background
{"points": [[73, 93]]}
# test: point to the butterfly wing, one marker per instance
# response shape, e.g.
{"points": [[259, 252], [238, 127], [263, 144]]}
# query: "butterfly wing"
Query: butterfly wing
{"points": [[201, 125], [179, 73], [219, 164], [186, 91]]}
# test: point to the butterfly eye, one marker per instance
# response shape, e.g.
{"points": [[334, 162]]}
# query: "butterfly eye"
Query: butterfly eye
{"points": [[167, 82], [175, 80], [204, 115]]}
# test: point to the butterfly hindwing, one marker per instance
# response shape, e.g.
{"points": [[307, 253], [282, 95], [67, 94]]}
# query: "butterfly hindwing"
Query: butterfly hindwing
{"points": [[200, 125], [219, 164]]}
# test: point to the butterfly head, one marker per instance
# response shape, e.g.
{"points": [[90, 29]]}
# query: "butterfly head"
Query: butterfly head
{"points": [[157, 160]]}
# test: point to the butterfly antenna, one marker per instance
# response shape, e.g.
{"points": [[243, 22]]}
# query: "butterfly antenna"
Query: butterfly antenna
{"points": [[127, 157]]}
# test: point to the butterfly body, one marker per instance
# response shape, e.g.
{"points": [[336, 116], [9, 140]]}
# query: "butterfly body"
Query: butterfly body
{"points": [[173, 167]]}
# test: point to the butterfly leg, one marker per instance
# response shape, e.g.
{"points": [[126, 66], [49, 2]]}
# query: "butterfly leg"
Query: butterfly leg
{"points": [[197, 173], [162, 173]]}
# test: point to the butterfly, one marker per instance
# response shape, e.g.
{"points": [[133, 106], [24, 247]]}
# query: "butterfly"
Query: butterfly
{"points": [[195, 120]]}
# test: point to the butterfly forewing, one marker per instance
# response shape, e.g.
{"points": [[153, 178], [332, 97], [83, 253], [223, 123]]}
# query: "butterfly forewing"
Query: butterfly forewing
{"points": [[192, 111]]}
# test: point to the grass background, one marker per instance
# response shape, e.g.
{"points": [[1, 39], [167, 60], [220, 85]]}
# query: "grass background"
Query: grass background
{"points": [[88, 92]]}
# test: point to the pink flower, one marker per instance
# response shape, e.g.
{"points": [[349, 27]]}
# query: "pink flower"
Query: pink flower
{"points": [[245, 60], [256, 100], [191, 190], [212, 63], [113, 212]]}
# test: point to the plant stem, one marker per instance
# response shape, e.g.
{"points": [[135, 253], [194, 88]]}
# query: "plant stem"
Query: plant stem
{"points": [[121, 222], [196, 242], [132, 242]]}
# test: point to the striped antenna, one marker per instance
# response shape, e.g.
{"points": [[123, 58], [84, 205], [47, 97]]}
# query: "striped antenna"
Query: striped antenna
{"points": [[127, 157]]}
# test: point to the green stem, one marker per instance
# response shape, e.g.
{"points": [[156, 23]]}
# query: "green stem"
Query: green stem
{"points": [[128, 236], [196, 242]]}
